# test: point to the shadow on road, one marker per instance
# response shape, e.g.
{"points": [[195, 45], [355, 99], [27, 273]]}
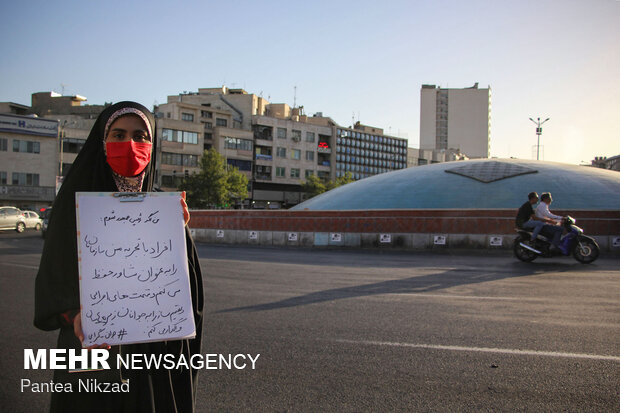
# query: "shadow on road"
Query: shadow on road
{"points": [[419, 284]]}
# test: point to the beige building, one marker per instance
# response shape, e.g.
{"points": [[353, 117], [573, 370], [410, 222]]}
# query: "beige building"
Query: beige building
{"points": [[419, 157], [29, 161], [457, 119]]}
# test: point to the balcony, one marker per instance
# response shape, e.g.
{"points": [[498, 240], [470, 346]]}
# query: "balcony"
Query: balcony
{"points": [[261, 157]]}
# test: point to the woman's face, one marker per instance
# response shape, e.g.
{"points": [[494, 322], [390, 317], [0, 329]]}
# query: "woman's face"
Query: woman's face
{"points": [[126, 128]]}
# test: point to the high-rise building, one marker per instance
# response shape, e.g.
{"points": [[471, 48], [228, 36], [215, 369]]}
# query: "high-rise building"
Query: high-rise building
{"points": [[456, 119]]}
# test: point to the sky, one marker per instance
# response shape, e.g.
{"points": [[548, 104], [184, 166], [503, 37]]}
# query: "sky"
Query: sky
{"points": [[351, 60]]}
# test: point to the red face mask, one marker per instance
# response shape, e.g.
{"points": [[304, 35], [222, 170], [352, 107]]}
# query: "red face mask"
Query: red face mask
{"points": [[128, 158]]}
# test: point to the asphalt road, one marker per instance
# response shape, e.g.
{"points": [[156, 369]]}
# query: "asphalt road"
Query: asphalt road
{"points": [[372, 331]]}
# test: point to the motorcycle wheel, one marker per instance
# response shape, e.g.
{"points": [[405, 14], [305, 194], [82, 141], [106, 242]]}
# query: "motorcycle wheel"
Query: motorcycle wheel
{"points": [[521, 253], [586, 250]]}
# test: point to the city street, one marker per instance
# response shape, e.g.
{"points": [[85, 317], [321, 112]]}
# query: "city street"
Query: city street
{"points": [[369, 330]]}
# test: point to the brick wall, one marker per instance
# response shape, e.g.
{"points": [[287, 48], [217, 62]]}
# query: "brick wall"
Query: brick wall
{"points": [[599, 223]]}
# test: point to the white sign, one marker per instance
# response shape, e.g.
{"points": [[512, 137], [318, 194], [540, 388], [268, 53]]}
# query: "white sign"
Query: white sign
{"points": [[336, 237], [134, 276], [616, 242], [219, 233], [26, 124], [253, 235], [440, 240], [292, 236], [385, 238], [495, 241]]}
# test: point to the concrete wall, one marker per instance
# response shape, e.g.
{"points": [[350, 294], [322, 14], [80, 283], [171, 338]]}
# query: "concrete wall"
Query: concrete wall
{"points": [[402, 229]]}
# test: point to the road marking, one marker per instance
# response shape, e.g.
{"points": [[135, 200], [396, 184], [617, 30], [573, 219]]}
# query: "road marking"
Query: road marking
{"points": [[486, 350], [32, 267]]}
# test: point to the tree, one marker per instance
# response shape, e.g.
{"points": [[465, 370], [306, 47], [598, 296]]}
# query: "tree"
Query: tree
{"points": [[315, 186], [214, 186], [347, 178]]}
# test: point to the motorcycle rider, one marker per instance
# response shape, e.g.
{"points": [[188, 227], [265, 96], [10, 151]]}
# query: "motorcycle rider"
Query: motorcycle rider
{"points": [[526, 219], [554, 222]]}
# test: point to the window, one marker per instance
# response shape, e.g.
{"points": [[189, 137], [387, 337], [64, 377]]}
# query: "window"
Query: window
{"points": [[296, 135], [237, 143], [309, 136], [190, 137], [309, 173], [26, 146], [281, 152], [309, 156], [3, 178], [70, 145], [263, 172], [171, 181], [179, 159], [208, 125], [281, 133], [221, 122], [263, 132], [295, 154], [26, 179], [240, 164], [208, 136], [206, 114], [3, 144], [188, 117], [280, 172], [294, 173]]}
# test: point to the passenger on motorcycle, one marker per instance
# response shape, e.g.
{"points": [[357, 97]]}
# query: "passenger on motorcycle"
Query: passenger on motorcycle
{"points": [[526, 219], [555, 227]]}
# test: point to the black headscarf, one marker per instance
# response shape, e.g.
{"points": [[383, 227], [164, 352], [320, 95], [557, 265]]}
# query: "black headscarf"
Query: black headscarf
{"points": [[57, 286]]}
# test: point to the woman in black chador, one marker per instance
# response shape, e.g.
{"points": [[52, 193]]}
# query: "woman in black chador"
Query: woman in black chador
{"points": [[119, 155]]}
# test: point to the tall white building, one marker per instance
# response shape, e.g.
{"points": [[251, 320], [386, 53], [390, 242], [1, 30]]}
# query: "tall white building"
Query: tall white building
{"points": [[457, 119]]}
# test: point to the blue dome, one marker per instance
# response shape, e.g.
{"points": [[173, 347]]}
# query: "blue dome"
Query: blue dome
{"points": [[476, 184]]}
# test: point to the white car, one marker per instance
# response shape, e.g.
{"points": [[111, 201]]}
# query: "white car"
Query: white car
{"points": [[32, 220]]}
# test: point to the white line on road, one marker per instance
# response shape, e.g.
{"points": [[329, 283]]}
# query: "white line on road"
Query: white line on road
{"points": [[471, 297], [486, 350]]}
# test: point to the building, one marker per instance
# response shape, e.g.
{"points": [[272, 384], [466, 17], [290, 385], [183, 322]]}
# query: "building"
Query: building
{"points": [[419, 157], [366, 151], [276, 146], [29, 161], [457, 119], [604, 162]]}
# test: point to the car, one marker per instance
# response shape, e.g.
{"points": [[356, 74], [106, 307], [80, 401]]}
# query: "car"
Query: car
{"points": [[33, 220], [45, 215], [12, 218]]}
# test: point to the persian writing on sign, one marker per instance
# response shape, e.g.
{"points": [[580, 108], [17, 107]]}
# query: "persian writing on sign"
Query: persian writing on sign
{"points": [[134, 278]]}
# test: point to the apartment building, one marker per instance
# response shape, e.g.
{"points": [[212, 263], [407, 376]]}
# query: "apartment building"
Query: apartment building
{"points": [[456, 119], [365, 151]]}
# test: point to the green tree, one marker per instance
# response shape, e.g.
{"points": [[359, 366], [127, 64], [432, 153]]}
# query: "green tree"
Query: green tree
{"points": [[215, 185], [315, 186], [347, 178]]}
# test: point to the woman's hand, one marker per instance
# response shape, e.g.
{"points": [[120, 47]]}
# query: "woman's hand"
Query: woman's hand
{"points": [[77, 330], [185, 209]]}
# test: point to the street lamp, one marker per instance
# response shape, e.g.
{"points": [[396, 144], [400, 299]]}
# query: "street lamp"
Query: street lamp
{"points": [[538, 133]]}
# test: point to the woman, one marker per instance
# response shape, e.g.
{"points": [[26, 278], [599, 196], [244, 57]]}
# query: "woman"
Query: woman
{"points": [[119, 155]]}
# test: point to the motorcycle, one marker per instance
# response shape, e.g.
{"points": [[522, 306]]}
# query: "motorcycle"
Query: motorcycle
{"points": [[583, 248]]}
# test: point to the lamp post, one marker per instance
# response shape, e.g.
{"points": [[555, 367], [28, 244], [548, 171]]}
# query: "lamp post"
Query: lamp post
{"points": [[538, 133]]}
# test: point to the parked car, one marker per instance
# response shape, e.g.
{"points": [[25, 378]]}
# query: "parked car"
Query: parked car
{"points": [[45, 215], [12, 218], [33, 220]]}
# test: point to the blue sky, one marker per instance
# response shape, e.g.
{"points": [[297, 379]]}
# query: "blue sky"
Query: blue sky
{"points": [[547, 58]]}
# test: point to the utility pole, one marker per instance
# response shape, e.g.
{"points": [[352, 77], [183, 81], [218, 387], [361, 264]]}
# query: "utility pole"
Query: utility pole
{"points": [[538, 133]]}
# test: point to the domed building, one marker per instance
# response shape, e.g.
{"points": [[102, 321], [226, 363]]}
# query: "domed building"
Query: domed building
{"points": [[476, 184]]}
